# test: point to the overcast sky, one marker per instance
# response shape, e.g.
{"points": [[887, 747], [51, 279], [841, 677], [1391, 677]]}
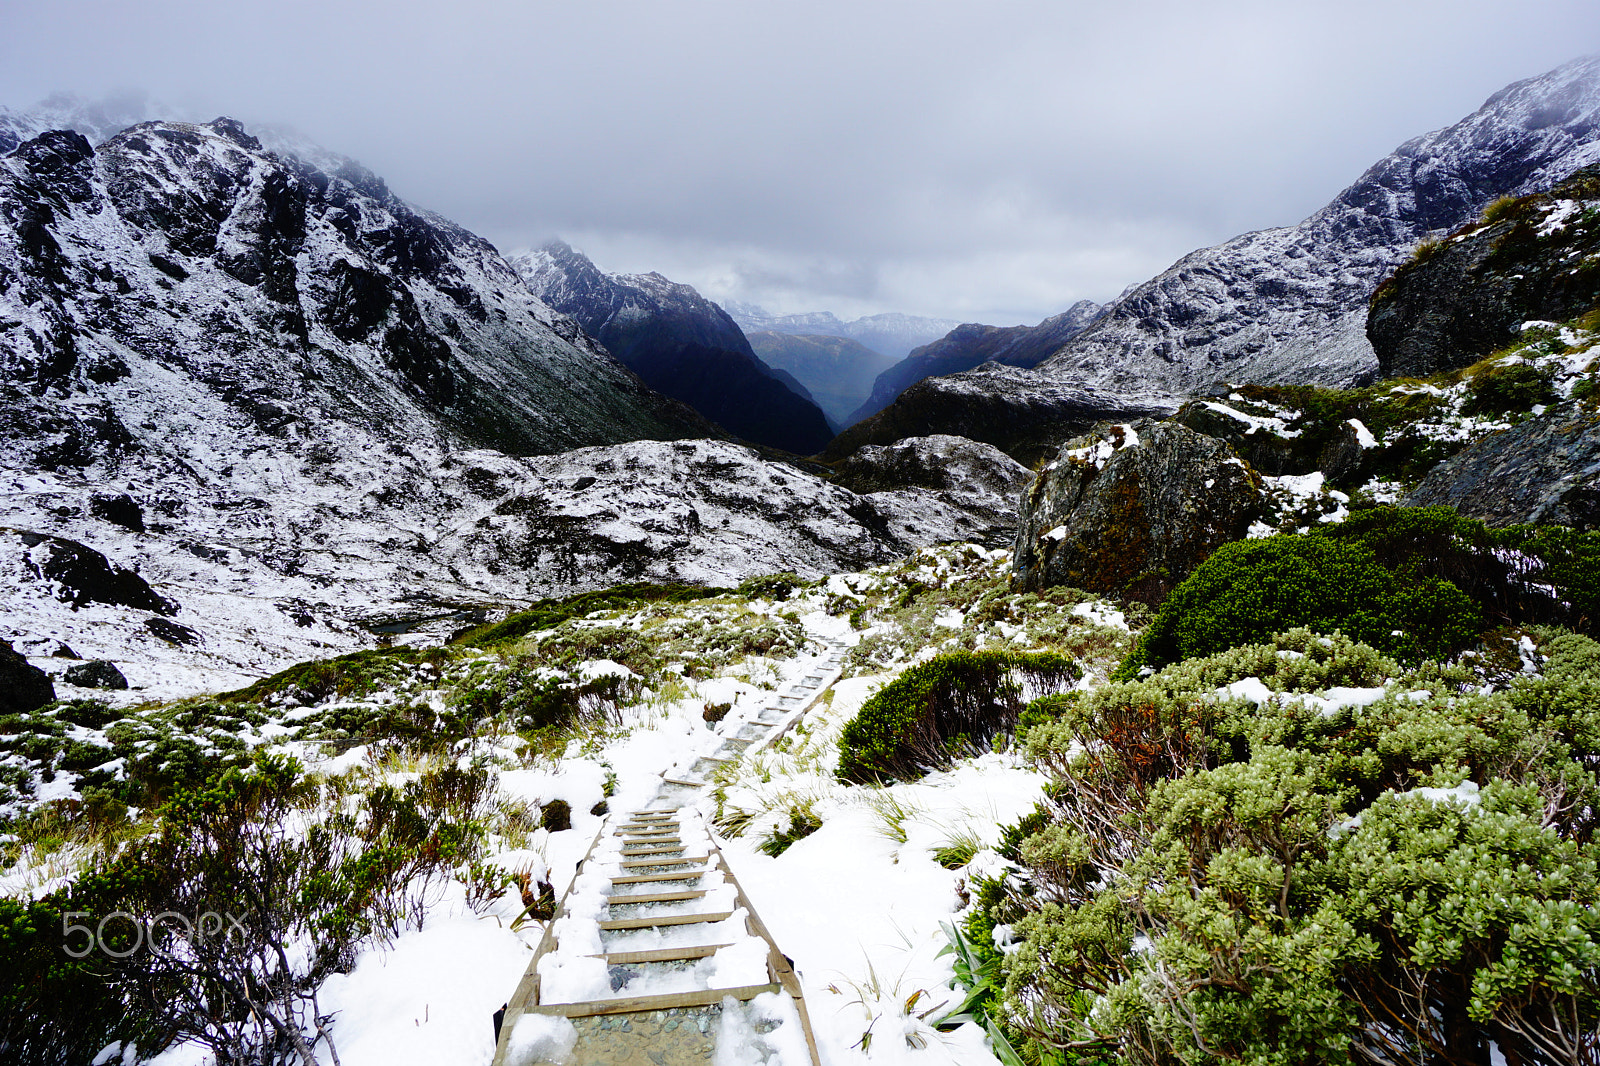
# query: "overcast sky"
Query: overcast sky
{"points": [[985, 161]]}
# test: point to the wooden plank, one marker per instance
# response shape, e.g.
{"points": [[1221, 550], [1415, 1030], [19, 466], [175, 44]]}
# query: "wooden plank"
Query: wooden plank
{"points": [[655, 897], [654, 849], [635, 1004], [622, 958], [686, 861], [670, 875], [666, 919], [682, 783]]}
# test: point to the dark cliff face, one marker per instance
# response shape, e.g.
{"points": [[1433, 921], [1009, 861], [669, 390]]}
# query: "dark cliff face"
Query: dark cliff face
{"points": [[680, 344], [285, 291], [1533, 259]]}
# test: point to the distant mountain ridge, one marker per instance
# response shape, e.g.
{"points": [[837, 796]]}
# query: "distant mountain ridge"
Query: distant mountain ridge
{"points": [[681, 344], [970, 345], [1283, 305], [892, 334], [837, 372]]}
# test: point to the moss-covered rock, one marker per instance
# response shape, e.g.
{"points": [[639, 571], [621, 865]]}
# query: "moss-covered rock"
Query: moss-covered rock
{"points": [[1132, 510]]}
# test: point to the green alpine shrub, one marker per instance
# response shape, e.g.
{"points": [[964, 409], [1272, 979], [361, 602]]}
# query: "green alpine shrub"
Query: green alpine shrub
{"points": [[962, 700], [1237, 863]]}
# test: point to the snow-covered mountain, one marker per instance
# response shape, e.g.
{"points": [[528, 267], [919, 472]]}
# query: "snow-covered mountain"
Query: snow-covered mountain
{"points": [[98, 120], [1289, 305], [892, 334], [681, 344]]}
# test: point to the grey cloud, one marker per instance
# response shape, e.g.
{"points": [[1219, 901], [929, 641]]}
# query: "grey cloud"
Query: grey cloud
{"points": [[967, 160]]}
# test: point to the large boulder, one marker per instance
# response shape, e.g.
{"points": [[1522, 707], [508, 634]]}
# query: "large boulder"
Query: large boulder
{"points": [[23, 686], [1546, 469], [1131, 510], [96, 673], [82, 575]]}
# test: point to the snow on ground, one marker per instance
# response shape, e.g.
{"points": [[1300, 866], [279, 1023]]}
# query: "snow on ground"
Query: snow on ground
{"points": [[857, 904]]}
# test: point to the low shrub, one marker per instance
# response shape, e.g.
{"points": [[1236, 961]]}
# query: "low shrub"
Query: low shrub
{"points": [[1504, 387], [1269, 880], [252, 891], [547, 614], [1415, 583], [959, 701], [774, 587], [802, 823]]}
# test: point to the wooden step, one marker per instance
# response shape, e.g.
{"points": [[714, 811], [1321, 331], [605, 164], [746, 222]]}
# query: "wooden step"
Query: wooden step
{"points": [[635, 1004], [655, 897], [686, 861], [681, 875], [623, 958], [664, 920]]}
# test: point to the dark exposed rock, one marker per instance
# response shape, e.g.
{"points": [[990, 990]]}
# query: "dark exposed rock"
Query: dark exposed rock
{"points": [[119, 510], [1265, 450], [23, 686], [172, 632], [1132, 510], [83, 576], [1538, 260], [1547, 469], [96, 673]]}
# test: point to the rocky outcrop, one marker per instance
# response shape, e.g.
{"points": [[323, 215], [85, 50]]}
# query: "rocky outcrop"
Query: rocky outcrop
{"points": [[714, 512], [23, 686], [1546, 469], [680, 344], [977, 482], [1131, 510], [999, 405], [96, 673], [1289, 305], [971, 345], [79, 575], [1536, 258]]}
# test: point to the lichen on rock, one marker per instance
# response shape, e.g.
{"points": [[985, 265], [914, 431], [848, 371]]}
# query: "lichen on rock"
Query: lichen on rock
{"points": [[1131, 510]]}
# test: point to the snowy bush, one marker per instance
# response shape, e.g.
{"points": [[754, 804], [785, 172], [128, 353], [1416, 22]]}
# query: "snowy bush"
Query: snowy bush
{"points": [[1301, 852]]}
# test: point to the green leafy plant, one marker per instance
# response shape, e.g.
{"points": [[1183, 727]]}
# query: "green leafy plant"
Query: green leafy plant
{"points": [[955, 702]]}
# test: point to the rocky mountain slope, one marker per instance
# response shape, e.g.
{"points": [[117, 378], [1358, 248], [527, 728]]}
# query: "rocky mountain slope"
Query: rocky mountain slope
{"points": [[1536, 258], [253, 411], [969, 345], [836, 371], [1289, 305], [681, 344]]}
